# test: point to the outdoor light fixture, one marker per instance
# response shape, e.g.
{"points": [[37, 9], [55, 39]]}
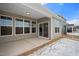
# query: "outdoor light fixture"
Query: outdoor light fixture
{"points": [[27, 13]]}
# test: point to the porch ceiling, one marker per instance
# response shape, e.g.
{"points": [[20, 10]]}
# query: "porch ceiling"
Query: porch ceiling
{"points": [[21, 9]]}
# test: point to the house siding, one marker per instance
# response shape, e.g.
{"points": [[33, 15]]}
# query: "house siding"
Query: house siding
{"points": [[56, 23]]}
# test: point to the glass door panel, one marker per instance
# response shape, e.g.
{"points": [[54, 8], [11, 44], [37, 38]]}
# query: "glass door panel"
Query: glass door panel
{"points": [[45, 30], [40, 29]]}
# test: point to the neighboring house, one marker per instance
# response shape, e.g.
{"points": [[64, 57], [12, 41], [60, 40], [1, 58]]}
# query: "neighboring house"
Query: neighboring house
{"points": [[24, 21], [71, 28], [77, 28]]}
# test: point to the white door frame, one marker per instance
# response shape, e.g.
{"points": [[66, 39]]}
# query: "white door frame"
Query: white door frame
{"points": [[43, 31]]}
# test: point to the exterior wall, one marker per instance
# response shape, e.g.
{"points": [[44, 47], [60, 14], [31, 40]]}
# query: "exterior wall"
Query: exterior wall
{"points": [[14, 37], [64, 27], [77, 30], [45, 19], [56, 23], [52, 23]]}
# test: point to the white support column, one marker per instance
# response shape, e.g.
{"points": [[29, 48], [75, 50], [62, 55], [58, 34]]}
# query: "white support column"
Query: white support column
{"points": [[36, 28], [23, 26], [13, 27], [66, 28], [30, 26], [52, 29]]}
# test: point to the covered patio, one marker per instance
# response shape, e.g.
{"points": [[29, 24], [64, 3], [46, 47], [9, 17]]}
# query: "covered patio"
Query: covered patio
{"points": [[30, 28], [27, 21], [21, 46]]}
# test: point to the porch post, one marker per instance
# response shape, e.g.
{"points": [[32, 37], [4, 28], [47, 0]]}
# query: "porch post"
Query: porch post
{"points": [[36, 28], [30, 26], [51, 28], [66, 28], [13, 27]]}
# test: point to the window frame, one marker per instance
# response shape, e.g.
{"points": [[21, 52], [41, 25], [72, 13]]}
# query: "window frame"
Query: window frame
{"points": [[15, 25], [23, 26], [57, 30], [33, 27], [30, 26], [12, 25]]}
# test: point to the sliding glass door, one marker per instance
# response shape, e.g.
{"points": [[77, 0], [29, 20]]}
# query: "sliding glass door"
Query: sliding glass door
{"points": [[43, 29]]}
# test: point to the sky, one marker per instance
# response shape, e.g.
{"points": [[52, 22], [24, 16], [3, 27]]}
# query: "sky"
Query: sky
{"points": [[70, 11]]}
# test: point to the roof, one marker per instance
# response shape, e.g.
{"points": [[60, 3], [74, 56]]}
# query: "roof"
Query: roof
{"points": [[36, 9], [70, 24], [46, 11]]}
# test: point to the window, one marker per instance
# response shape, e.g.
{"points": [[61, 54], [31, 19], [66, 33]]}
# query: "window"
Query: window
{"points": [[6, 25], [33, 27], [19, 26], [26, 26], [69, 29], [56, 29]]}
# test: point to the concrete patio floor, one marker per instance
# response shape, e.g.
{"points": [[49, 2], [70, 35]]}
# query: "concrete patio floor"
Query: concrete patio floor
{"points": [[63, 47], [20, 46]]}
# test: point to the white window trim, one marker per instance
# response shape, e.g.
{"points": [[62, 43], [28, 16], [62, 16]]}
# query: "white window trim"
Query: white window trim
{"points": [[34, 27], [30, 26], [15, 26], [23, 26], [12, 26], [57, 30]]}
